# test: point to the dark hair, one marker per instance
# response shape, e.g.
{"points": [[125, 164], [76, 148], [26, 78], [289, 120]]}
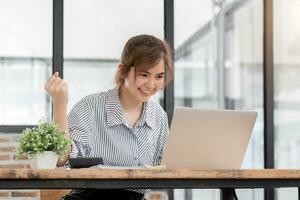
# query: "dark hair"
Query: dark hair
{"points": [[144, 52]]}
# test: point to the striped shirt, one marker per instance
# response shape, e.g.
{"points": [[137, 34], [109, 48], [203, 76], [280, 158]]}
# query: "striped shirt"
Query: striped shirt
{"points": [[98, 128]]}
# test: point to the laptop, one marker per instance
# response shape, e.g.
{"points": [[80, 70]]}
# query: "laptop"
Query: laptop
{"points": [[208, 139]]}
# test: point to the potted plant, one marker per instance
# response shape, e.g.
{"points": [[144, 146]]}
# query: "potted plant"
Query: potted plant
{"points": [[43, 143]]}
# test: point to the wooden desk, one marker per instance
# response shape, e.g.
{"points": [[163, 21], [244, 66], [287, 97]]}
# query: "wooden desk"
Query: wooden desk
{"points": [[155, 179]]}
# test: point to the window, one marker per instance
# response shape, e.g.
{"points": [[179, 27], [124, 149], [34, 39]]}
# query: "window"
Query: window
{"points": [[25, 60], [287, 88], [93, 45], [218, 64]]}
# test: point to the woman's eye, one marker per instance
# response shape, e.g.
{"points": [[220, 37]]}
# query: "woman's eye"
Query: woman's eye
{"points": [[144, 75], [160, 76]]}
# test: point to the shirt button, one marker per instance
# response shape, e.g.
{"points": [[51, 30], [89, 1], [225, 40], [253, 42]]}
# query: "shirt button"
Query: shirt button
{"points": [[135, 158]]}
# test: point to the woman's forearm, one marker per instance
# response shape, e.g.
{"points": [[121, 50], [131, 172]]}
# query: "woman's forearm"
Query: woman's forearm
{"points": [[60, 119], [57, 89]]}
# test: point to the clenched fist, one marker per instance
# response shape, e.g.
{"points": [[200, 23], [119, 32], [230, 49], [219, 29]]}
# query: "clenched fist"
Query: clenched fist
{"points": [[57, 89]]}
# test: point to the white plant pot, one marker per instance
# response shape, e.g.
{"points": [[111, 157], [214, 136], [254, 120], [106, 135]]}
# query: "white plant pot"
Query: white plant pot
{"points": [[46, 160]]}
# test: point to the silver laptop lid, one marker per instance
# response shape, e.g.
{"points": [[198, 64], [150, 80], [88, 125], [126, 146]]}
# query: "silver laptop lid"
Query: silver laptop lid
{"points": [[208, 139]]}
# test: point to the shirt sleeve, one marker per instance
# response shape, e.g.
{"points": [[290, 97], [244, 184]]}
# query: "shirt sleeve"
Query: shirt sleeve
{"points": [[162, 140], [79, 123]]}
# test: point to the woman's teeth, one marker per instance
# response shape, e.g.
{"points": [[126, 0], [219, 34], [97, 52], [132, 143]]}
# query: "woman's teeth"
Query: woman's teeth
{"points": [[145, 92]]}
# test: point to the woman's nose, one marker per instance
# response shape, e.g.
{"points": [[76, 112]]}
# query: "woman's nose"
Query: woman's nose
{"points": [[151, 83]]}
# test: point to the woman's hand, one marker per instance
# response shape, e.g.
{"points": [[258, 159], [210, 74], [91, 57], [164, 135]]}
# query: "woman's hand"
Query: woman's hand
{"points": [[57, 89]]}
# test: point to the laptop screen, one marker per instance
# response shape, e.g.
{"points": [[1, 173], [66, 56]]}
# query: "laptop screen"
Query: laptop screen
{"points": [[208, 139]]}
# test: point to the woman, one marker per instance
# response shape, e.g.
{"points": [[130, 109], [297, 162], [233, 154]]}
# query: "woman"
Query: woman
{"points": [[120, 125]]}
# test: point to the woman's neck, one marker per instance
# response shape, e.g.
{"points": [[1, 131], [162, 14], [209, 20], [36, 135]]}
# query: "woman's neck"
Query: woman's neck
{"points": [[128, 102]]}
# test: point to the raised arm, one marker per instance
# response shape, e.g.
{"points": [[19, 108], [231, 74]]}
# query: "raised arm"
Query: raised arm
{"points": [[57, 89]]}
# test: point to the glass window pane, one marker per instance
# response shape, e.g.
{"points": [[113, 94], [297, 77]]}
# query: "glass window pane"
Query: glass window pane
{"points": [[85, 77], [195, 80], [25, 60], [243, 70], [218, 64], [195, 74], [93, 44], [287, 88]]}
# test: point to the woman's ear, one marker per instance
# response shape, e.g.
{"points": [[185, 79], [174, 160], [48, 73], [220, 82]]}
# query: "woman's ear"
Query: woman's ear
{"points": [[121, 67], [121, 70]]}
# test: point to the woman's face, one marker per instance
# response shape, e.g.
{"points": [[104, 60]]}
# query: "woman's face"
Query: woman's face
{"points": [[145, 84]]}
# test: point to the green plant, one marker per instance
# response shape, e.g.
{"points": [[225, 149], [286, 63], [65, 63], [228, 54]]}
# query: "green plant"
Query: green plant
{"points": [[44, 137]]}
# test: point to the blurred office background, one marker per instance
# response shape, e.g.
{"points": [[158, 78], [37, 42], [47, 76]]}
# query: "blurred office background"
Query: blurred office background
{"points": [[218, 52]]}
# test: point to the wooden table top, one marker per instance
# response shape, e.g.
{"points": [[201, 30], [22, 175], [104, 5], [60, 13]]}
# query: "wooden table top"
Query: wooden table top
{"points": [[148, 174]]}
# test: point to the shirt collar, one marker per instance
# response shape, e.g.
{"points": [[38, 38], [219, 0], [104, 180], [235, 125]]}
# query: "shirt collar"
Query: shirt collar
{"points": [[147, 116], [115, 113]]}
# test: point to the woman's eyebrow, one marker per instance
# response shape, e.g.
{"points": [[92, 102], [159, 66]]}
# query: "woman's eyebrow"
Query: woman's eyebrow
{"points": [[161, 73], [146, 72]]}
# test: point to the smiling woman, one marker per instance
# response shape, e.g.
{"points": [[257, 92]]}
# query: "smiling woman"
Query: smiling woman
{"points": [[120, 125], [145, 68]]}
